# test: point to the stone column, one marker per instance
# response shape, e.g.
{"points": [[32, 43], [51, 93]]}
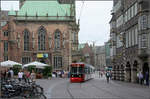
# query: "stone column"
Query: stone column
{"points": [[70, 49], [134, 73], [128, 72]]}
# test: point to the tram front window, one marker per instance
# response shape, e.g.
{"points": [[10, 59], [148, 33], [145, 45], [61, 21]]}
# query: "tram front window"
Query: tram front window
{"points": [[80, 70], [76, 71]]}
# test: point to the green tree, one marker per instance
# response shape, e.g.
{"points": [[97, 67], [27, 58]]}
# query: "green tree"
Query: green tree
{"points": [[31, 67], [16, 69], [47, 72]]}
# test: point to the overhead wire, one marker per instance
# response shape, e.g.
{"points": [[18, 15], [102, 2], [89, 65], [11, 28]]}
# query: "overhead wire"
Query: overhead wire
{"points": [[81, 10]]}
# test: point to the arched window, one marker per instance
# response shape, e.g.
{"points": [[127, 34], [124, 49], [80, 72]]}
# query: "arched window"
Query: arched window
{"points": [[57, 39], [26, 40], [41, 38]]}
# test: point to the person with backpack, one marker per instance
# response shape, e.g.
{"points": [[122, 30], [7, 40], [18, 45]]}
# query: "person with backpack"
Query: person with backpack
{"points": [[107, 76]]}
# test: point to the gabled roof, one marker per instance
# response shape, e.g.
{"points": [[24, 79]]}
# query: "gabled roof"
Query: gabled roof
{"points": [[42, 9]]}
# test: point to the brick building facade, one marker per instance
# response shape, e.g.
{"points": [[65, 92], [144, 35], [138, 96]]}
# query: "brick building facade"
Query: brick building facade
{"points": [[44, 31], [3, 35]]}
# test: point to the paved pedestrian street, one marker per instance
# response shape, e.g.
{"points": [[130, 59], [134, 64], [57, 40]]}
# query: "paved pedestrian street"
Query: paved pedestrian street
{"points": [[94, 88]]}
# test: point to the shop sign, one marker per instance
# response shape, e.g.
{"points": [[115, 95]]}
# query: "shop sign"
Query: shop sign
{"points": [[42, 55]]}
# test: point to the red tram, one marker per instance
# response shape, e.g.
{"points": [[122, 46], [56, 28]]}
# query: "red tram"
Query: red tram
{"points": [[81, 72]]}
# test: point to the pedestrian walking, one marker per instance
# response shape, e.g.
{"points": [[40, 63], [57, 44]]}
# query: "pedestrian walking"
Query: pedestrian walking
{"points": [[110, 75], [147, 78], [99, 74], [11, 73], [140, 77], [26, 76], [8, 74], [5, 74], [137, 77], [107, 76], [69, 74], [33, 76], [20, 75]]}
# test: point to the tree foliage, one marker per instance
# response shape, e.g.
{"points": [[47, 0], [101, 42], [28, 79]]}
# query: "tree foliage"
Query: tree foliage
{"points": [[16, 69], [47, 72], [31, 67]]}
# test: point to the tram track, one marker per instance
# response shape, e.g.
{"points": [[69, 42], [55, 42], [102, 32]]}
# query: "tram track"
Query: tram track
{"points": [[106, 91], [68, 90]]}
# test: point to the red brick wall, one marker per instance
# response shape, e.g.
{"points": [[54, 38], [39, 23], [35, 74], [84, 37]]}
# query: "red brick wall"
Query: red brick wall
{"points": [[3, 38], [18, 27]]}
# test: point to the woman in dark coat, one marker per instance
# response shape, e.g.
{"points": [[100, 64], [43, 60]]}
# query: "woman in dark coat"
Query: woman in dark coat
{"points": [[147, 78]]}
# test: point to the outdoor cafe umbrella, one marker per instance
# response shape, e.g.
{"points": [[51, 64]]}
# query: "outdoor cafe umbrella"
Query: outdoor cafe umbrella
{"points": [[36, 64], [9, 63]]}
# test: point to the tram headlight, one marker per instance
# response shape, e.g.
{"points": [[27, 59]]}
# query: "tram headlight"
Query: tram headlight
{"points": [[79, 75]]}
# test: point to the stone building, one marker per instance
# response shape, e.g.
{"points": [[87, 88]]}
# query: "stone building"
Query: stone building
{"points": [[107, 55], [44, 31], [130, 38], [86, 53], [3, 35], [100, 59]]}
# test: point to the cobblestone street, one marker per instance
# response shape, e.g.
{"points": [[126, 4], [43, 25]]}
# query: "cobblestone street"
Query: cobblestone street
{"points": [[95, 88]]}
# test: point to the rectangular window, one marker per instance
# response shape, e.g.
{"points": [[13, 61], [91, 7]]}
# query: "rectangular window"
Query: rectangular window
{"points": [[117, 41], [139, 37], [136, 8], [143, 22], [130, 37], [144, 41], [57, 62], [5, 46], [132, 10], [133, 42], [136, 35], [127, 39], [125, 16], [120, 21], [5, 58], [133, 7], [5, 33], [129, 13], [26, 60]]}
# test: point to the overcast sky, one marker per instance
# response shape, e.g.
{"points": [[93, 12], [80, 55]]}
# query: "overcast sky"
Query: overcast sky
{"points": [[94, 19]]}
